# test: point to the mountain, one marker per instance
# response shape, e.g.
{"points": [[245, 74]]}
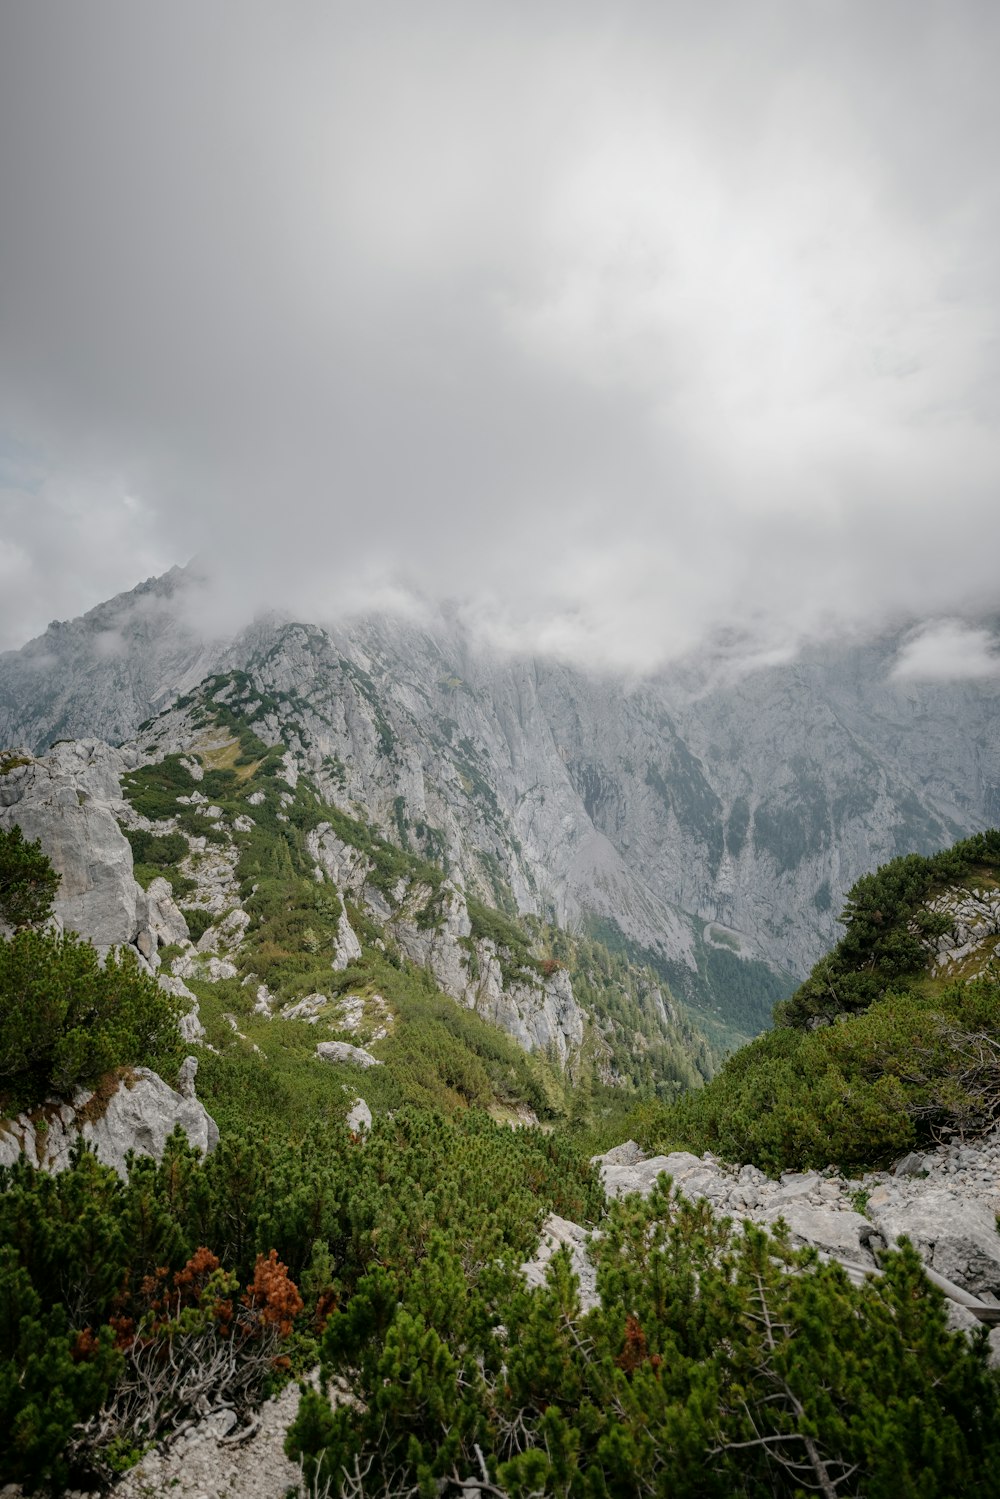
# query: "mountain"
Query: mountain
{"points": [[705, 822], [213, 854], [439, 1266]]}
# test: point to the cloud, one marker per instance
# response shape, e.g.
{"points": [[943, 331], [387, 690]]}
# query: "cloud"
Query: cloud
{"points": [[948, 651], [617, 327]]}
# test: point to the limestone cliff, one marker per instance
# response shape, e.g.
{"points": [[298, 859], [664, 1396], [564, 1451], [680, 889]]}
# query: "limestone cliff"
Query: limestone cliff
{"points": [[712, 818], [70, 800]]}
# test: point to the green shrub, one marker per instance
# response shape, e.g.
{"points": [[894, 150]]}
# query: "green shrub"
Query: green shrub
{"points": [[856, 1093], [887, 925], [198, 921], [153, 789], [65, 1019], [161, 850], [718, 1363], [28, 883]]}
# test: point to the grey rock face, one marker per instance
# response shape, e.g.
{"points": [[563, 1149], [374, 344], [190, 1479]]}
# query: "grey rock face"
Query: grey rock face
{"points": [[702, 806], [975, 919], [542, 1015], [141, 1114], [308, 1008], [622, 1174], [65, 799], [343, 1051], [560, 1233]]}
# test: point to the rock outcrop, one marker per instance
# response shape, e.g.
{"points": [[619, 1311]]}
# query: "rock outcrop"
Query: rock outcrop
{"points": [[974, 926], [343, 1051], [70, 800], [65, 799], [434, 930], [135, 1113], [713, 806], [946, 1205]]}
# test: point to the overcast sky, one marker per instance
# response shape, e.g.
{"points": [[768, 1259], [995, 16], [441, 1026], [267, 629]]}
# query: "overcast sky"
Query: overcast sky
{"points": [[614, 323]]}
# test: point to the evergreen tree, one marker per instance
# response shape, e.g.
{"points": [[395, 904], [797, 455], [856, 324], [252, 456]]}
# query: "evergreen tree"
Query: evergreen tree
{"points": [[28, 883]]}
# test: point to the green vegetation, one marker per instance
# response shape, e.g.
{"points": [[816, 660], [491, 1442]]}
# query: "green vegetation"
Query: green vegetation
{"points": [[871, 1056], [65, 1019], [718, 1364], [652, 1044], [887, 924], [436, 1055], [153, 789], [9, 761], [730, 998], [28, 883], [96, 1274], [198, 921], [157, 856], [907, 1072]]}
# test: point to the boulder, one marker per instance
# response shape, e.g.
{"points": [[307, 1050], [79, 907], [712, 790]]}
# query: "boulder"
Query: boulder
{"points": [[911, 1165], [841, 1233], [560, 1233], [139, 1115], [620, 1177], [359, 1118], [308, 1008], [954, 1234], [629, 1154], [343, 1051]]}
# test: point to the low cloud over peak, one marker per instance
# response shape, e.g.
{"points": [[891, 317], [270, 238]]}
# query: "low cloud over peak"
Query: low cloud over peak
{"points": [[618, 329], [949, 651]]}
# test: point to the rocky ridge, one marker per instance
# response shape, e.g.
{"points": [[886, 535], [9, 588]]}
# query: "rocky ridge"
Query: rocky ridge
{"points": [[71, 799], [945, 1201], [538, 1010], [716, 813], [138, 1114]]}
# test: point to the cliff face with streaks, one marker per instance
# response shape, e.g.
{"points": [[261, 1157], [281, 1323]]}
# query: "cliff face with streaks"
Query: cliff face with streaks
{"points": [[712, 821]]}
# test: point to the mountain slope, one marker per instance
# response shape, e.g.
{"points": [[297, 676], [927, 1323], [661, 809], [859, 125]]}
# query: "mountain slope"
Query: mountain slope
{"points": [[891, 1044], [295, 923], [706, 823]]}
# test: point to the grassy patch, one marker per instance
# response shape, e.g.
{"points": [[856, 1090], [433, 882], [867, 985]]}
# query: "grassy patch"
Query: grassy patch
{"points": [[229, 756]]}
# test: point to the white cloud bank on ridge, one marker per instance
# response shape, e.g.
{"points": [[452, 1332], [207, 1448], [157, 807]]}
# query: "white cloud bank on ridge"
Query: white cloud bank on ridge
{"points": [[948, 651], [615, 325]]}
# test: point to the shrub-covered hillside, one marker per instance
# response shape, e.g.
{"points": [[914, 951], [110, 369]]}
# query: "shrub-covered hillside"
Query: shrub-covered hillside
{"points": [[893, 1041], [717, 1362], [310, 926]]}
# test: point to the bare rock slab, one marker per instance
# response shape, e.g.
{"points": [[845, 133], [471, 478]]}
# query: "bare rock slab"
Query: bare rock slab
{"points": [[343, 1051], [955, 1235]]}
